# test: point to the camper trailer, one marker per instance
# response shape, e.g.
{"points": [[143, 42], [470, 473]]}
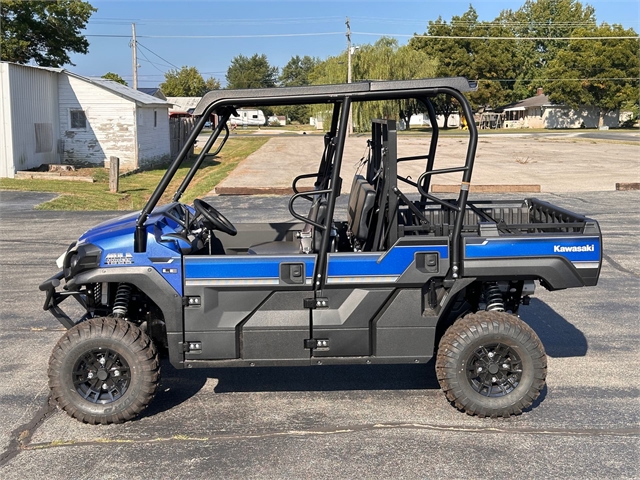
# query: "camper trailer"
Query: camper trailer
{"points": [[248, 118]]}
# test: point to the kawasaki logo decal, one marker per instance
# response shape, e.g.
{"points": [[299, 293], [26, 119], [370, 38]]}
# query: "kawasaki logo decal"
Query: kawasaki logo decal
{"points": [[585, 248]]}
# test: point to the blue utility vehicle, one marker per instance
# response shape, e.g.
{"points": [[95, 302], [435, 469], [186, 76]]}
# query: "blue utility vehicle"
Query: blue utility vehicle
{"points": [[403, 276]]}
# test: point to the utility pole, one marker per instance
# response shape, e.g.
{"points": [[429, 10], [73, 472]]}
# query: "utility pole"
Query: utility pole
{"points": [[134, 46], [348, 35]]}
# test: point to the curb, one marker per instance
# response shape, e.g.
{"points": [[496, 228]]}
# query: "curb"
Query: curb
{"points": [[627, 186], [488, 188], [222, 190]]}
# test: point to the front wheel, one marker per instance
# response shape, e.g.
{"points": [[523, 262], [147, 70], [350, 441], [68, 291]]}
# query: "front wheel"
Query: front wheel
{"points": [[104, 370], [491, 364]]}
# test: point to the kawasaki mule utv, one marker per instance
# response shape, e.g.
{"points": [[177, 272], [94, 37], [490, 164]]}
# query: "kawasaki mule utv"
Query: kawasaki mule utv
{"points": [[404, 275]]}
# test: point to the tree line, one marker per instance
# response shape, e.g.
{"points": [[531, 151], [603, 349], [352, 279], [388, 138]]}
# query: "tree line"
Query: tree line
{"points": [[553, 44]]}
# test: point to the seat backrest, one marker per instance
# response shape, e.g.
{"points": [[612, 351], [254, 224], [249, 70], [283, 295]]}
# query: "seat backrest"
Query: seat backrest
{"points": [[361, 202]]}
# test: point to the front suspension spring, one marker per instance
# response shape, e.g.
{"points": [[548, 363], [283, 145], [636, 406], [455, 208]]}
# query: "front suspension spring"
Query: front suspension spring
{"points": [[121, 303]]}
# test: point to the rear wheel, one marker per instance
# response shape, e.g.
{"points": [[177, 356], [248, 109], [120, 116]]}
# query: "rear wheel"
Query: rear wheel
{"points": [[104, 370], [491, 364]]}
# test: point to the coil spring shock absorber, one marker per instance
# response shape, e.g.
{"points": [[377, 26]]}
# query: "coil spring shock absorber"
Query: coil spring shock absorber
{"points": [[493, 297], [97, 294], [121, 302]]}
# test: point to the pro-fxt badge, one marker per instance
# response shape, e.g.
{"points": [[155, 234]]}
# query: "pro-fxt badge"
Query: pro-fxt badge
{"points": [[119, 259]]}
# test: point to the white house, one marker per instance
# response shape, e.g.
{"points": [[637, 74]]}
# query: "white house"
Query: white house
{"points": [[51, 115], [539, 112]]}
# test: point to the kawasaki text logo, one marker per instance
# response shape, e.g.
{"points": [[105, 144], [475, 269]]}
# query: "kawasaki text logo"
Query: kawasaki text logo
{"points": [[586, 248]]}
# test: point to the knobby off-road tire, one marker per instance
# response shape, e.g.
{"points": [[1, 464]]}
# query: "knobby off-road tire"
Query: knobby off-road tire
{"points": [[104, 370], [491, 364]]}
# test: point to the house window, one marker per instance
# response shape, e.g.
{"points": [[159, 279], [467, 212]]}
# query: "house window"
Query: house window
{"points": [[78, 119], [155, 118]]}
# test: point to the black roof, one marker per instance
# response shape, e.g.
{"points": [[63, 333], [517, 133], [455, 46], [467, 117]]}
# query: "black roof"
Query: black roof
{"points": [[288, 94]]}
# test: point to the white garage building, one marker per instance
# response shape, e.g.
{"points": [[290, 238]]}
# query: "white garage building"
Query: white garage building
{"points": [[53, 116]]}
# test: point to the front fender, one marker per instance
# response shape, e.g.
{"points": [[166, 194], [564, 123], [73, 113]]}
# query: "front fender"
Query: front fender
{"points": [[156, 287]]}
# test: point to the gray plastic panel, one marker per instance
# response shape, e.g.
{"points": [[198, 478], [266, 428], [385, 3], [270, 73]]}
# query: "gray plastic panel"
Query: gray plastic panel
{"points": [[215, 345], [405, 310], [558, 272], [220, 309], [279, 93], [458, 83], [281, 310], [405, 342], [349, 308], [274, 344], [344, 342]]}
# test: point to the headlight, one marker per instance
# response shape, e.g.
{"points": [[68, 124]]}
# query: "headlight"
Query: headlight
{"points": [[74, 261], [60, 260]]}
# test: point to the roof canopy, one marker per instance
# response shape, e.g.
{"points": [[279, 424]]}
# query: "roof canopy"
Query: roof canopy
{"points": [[323, 93]]}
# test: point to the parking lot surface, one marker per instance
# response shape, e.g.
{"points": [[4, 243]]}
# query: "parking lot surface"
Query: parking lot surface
{"points": [[331, 422]]}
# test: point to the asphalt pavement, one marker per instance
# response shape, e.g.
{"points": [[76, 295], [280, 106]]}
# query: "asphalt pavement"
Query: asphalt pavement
{"points": [[331, 422]]}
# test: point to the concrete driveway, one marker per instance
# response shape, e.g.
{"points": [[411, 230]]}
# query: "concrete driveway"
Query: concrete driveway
{"points": [[568, 162], [331, 422]]}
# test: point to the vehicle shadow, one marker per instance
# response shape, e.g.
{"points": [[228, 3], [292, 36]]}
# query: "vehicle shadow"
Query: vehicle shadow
{"points": [[177, 386], [559, 337]]}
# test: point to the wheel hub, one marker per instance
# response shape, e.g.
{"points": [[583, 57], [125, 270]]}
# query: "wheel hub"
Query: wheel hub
{"points": [[494, 370], [101, 376]]}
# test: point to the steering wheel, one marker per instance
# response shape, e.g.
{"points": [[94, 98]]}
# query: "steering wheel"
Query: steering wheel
{"points": [[213, 218]]}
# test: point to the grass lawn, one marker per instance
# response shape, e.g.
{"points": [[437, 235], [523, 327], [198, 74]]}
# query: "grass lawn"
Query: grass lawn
{"points": [[135, 189]]}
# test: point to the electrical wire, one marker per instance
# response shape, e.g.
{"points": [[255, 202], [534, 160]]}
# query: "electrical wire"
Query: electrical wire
{"points": [[164, 60]]}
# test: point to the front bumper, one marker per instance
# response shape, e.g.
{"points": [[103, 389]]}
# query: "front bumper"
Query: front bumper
{"points": [[55, 298]]}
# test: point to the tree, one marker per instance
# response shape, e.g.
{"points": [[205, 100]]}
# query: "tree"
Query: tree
{"points": [[43, 31], [254, 72], [478, 59], [115, 77], [186, 82], [211, 84], [603, 73], [295, 74], [544, 20], [384, 60]]}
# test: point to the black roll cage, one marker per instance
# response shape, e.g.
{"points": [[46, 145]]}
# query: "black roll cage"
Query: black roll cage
{"points": [[225, 103]]}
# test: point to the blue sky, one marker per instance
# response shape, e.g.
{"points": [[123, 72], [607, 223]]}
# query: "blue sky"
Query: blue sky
{"points": [[109, 30]]}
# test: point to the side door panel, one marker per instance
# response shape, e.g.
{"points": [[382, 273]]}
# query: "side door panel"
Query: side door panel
{"points": [[222, 294], [359, 287]]}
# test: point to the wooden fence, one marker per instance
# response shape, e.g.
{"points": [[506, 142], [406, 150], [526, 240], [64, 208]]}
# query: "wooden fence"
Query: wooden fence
{"points": [[179, 130]]}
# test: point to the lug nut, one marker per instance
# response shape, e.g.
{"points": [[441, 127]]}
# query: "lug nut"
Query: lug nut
{"points": [[479, 369], [116, 373], [505, 365], [491, 354], [90, 375], [105, 386], [494, 379]]}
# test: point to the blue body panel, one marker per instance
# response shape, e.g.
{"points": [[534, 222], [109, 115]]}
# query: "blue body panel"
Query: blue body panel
{"points": [[248, 267], [574, 249], [115, 238], [377, 266]]}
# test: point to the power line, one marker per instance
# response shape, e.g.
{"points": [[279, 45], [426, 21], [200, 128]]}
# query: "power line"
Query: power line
{"points": [[164, 60], [485, 37], [274, 35], [507, 80]]}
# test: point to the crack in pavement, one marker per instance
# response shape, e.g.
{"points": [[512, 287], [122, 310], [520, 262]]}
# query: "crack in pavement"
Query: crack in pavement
{"points": [[566, 432], [23, 434], [618, 267]]}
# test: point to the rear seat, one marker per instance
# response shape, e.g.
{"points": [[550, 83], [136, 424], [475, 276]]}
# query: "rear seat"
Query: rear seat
{"points": [[361, 202]]}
